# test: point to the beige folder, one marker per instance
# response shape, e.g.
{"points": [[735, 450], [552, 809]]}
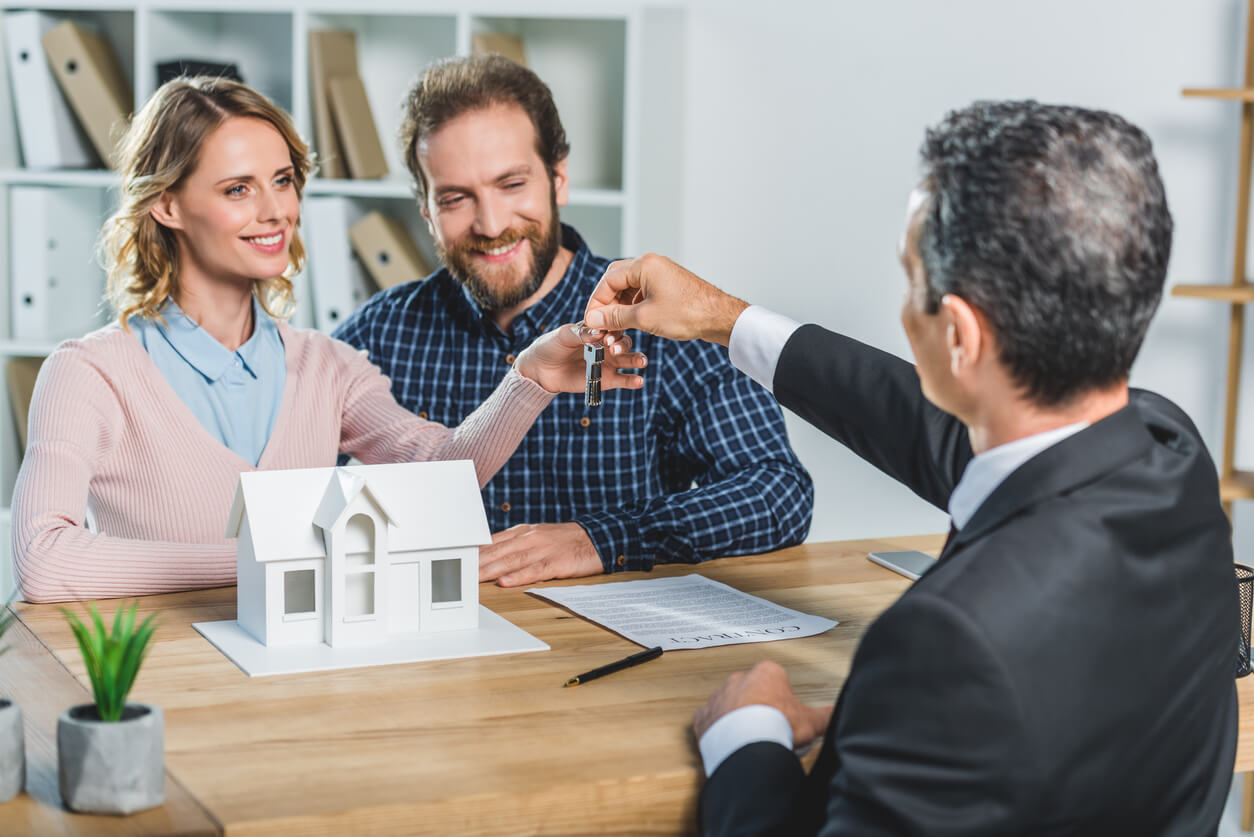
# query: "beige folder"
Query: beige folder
{"points": [[92, 80], [20, 374], [511, 46], [387, 250], [355, 128], [332, 52]]}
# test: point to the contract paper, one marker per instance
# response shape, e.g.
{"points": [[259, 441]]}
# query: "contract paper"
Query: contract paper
{"points": [[689, 611]]}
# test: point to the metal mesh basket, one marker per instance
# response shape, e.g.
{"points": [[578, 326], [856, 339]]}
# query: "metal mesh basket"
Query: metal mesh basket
{"points": [[1245, 595]]}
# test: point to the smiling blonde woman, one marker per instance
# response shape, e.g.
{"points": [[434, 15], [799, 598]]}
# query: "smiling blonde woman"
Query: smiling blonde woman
{"points": [[143, 426]]}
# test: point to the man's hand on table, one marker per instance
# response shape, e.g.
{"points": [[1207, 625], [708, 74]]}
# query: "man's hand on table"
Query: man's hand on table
{"points": [[765, 684], [532, 552]]}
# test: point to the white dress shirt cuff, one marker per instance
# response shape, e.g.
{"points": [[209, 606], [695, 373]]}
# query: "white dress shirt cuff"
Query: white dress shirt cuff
{"points": [[742, 726], [757, 341]]}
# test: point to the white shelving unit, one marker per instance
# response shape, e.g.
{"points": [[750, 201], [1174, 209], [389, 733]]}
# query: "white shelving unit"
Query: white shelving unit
{"points": [[605, 64]]}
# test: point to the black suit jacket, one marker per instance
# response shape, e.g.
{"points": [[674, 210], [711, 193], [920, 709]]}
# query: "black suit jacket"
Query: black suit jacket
{"points": [[1066, 668]]}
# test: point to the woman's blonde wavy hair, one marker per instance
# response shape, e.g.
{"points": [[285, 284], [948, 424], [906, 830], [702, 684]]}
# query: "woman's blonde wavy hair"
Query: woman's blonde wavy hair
{"points": [[160, 149]]}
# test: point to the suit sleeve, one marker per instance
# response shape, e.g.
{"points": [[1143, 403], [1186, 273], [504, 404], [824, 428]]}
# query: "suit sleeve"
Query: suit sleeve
{"points": [[929, 739], [755, 791], [872, 402]]}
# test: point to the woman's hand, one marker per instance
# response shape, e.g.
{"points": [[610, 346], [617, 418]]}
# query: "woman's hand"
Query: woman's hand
{"points": [[555, 360]]}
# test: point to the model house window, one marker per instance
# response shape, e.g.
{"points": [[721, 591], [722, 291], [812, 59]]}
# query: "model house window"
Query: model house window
{"points": [[446, 580], [359, 569], [362, 526], [298, 592]]}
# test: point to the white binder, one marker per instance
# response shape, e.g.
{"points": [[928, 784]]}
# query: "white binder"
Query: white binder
{"points": [[339, 283], [50, 134], [57, 285]]}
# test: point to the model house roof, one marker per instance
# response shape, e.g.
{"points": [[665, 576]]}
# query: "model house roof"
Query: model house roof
{"points": [[342, 489], [427, 505]]}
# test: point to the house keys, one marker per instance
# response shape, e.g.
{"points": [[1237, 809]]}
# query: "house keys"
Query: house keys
{"points": [[593, 356]]}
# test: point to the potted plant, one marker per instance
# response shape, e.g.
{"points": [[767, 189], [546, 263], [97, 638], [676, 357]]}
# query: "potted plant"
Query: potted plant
{"points": [[12, 737], [111, 754]]}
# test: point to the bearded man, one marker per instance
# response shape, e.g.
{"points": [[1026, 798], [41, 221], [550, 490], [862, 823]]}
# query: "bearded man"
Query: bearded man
{"points": [[696, 465]]}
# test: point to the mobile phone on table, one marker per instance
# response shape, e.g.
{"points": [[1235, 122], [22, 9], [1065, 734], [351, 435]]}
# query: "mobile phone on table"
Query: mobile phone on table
{"points": [[909, 562]]}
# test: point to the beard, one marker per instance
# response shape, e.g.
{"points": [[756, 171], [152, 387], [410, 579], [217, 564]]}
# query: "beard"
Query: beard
{"points": [[500, 293]]}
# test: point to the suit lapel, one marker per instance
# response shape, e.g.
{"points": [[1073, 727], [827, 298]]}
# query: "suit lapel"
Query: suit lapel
{"points": [[1075, 461]]}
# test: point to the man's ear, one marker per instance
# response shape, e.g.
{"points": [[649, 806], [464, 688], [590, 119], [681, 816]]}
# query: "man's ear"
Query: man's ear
{"points": [[166, 211], [561, 183], [426, 216], [964, 334]]}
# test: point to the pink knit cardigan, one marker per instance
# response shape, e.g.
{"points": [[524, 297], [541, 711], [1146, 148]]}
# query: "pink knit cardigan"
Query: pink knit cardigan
{"points": [[107, 430]]}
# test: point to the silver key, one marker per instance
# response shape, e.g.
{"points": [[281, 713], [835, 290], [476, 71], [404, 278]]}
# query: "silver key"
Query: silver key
{"points": [[593, 356]]}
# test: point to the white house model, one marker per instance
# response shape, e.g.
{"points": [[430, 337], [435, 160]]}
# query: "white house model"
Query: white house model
{"points": [[358, 555]]}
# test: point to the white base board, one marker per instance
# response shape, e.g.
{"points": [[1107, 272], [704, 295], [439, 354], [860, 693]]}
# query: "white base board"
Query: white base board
{"points": [[495, 635]]}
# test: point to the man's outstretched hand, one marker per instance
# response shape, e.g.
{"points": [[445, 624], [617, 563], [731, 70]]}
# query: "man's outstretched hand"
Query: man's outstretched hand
{"points": [[653, 294]]}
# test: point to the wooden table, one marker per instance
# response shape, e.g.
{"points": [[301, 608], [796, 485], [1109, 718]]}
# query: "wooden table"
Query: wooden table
{"points": [[475, 746]]}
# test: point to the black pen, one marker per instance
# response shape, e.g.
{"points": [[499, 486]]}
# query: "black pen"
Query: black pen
{"points": [[626, 662]]}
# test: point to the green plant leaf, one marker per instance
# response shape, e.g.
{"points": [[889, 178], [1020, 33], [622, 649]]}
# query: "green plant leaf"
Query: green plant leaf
{"points": [[87, 648], [118, 616], [97, 623], [112, 658], [111, 665], [136, 651]]}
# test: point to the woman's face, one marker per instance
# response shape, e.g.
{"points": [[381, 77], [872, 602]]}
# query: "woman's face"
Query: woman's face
{"points": [[235, 214]]}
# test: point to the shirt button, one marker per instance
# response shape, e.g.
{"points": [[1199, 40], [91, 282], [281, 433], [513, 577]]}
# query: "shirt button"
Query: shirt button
{"points": [[509, 358], [585, 421], [544, 326], [422, 414], [238, 363], [622, 560], [505, 506]]}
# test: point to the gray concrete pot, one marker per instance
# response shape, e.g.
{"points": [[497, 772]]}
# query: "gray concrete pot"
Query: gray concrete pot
{"points": [[111, 767], [12, 750]]}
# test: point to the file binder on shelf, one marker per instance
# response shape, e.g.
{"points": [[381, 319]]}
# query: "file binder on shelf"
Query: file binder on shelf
{"points": [[387, 250], [191, 67], [50, 135], [20, 374], [511, 46], [332, 52], [331, 268], [89, 74], [355, 128], [56, 285]]}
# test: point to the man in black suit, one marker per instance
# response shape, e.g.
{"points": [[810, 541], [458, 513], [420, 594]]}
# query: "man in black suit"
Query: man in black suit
{"points": [[1067, 666]]}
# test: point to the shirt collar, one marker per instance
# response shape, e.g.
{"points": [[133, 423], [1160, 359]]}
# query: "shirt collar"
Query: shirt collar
{"points": [[548, 311], [265, 336], [989, 469], [202, 351]]}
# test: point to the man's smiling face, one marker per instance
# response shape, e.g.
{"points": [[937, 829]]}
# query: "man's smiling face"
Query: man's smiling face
{"points": [[492, 205]]}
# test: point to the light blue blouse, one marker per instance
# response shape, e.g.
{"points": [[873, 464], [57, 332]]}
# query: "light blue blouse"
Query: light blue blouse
{"points": [[235, 395]]}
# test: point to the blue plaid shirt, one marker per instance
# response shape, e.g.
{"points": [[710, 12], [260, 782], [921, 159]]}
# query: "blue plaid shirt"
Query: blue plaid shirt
{"points": [[695, 465]]}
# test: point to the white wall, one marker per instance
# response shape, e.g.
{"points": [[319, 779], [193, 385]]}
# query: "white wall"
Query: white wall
{"points": [[800, 144]]}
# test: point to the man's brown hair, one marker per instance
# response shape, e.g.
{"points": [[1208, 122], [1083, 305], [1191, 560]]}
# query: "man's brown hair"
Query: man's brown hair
{"points": [[453, 86]]}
